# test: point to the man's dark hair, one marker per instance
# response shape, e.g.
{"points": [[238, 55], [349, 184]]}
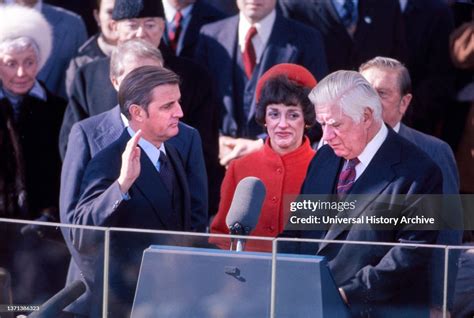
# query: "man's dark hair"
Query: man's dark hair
{"points": [[137, 87], [281, 90]]}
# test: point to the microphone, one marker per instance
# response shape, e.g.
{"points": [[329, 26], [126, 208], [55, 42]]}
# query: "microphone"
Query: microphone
{"points": [[54, 306], [245, 208]]}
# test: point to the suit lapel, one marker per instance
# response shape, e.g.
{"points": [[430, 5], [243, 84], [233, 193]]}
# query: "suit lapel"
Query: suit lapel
{"points": [[153, 189], [182, 182], [331, 164], [332, 21], [228, 39], [191, 33], [369, 184]]}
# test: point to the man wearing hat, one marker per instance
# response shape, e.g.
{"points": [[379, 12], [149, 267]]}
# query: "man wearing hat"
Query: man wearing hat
{"points": [[92, 92]]}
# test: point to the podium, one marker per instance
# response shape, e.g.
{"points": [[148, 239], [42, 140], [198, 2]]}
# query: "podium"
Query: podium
{"points": [[198, 282]]}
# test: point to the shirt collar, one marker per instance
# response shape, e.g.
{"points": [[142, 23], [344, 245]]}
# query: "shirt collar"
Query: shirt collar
{"points": [[124, 119], [373, 146], [403, 5], [264, 27], [397, 128], [151, 151], [36, 91], [170, 11]]}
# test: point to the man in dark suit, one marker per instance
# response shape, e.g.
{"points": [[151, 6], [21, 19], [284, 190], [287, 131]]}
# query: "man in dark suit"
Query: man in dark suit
{"points": [[92, 92], [353, 31], [93, 134], [363, 156], [391, 80], [184, 19], [100, 45], [428, 25], [238, 50], [146, 189]]}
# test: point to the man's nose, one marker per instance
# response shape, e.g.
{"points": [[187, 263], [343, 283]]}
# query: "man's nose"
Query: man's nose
{"points": [[328, 132], [179, 111], [141, 34]]}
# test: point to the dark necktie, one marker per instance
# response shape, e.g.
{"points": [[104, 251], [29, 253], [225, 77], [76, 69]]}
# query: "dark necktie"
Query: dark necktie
{"points": [[173, 33], [166, 172], [348, 16], [248, 55], [347, 177]]}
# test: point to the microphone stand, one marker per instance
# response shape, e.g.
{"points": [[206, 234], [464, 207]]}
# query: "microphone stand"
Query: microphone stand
{"points": [[238, 229]]}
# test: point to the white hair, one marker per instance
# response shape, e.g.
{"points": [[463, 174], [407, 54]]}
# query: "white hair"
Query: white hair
{"points": [[350, 91], [23, 27]]}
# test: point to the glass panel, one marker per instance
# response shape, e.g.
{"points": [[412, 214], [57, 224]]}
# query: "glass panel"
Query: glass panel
{"points": [[463, 293], [180, 275], [34, 263], [377, 279]]}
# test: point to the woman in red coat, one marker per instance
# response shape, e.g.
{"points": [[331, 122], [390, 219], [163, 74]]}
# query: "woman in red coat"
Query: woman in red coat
{"points": [[284, 109]]}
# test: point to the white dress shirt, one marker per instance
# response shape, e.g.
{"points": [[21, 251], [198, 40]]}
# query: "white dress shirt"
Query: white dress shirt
{"points": [[264, 29]]}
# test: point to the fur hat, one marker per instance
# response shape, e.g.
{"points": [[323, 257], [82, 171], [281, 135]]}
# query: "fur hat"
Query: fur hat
{"points": [[18, 21], [132, 9], [294, 72]]}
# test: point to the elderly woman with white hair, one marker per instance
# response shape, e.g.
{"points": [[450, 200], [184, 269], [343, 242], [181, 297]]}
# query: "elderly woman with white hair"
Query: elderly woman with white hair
{"points": [[30, 117]]}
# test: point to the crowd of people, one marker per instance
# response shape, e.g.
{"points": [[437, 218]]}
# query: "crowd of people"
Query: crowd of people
{"points": [[153, 120]]}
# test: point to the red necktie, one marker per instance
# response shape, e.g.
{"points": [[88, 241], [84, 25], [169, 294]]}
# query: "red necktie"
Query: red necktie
{"points": [[347, 177], [173, 33], [248, 55]]}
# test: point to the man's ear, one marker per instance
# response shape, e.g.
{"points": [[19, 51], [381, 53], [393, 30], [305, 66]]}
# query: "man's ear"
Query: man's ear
{"points": [[96, 17], [136, 112], [368, 116], [405, 102], [115, 83], [113, 25]]}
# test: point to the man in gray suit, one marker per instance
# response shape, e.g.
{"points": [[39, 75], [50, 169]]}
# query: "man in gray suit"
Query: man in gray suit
{"points": [[391, 80]]}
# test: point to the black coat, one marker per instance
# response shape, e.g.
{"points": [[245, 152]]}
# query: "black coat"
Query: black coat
{"points": [[201, 14], [379, 30], [428, 24], [38, 130]]}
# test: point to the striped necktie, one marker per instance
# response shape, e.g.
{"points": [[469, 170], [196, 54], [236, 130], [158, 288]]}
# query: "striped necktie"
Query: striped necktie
{"points": [[347, 177]]}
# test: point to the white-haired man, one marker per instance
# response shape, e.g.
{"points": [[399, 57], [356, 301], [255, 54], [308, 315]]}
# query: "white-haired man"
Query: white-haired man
{"points": [[365, 157]]}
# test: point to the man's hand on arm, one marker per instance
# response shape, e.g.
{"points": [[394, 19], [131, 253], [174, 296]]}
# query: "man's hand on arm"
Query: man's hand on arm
{"points": [[232, 148], [130, 169]]}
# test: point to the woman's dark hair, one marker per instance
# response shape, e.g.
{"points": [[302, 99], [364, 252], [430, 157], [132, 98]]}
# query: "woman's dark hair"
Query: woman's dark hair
{"points": [[281, 90]]}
